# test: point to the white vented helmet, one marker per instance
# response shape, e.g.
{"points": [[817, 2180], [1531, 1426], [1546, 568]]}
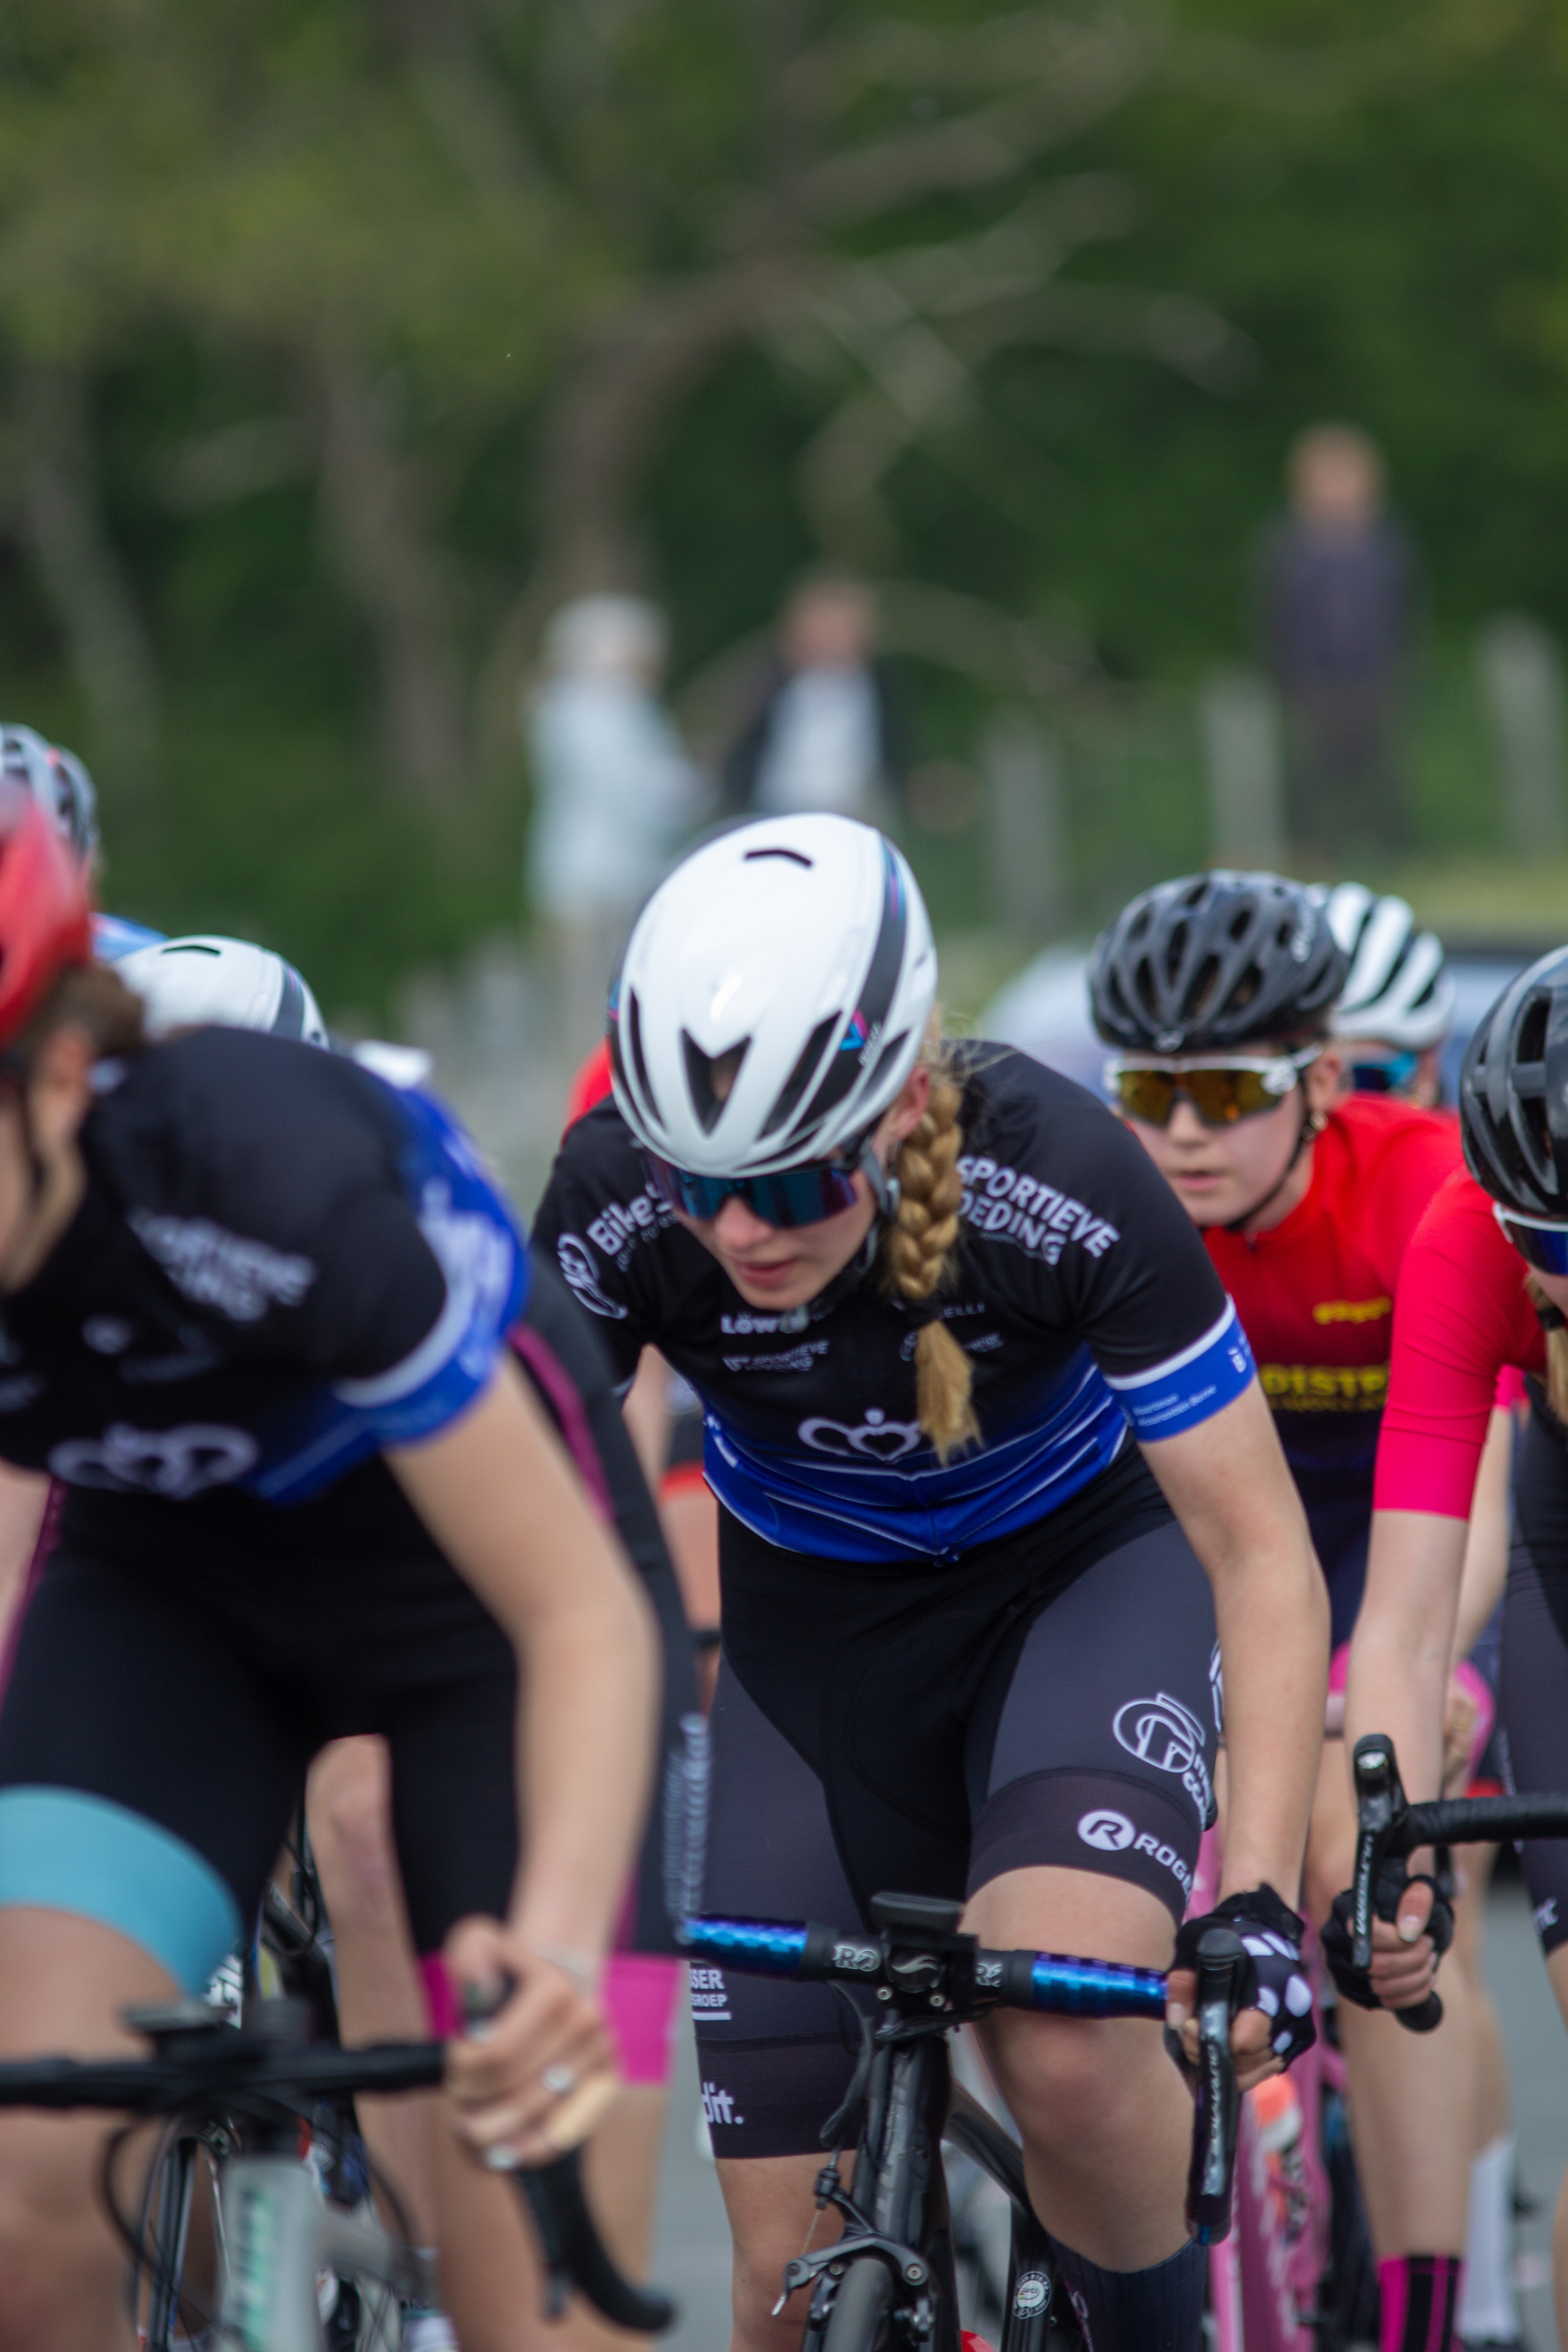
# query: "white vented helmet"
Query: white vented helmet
{"points": [[1399, 991], [188, 983], [802, 944]]}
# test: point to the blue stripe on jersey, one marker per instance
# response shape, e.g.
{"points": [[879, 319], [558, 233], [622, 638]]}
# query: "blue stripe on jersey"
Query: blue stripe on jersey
{"points": [[113, 937], [877, 1492], [1186, 1389], [471, 1232]]}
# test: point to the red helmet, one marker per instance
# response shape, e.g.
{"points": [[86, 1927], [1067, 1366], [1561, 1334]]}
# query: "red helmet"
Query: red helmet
{"points": [[45, 915]]}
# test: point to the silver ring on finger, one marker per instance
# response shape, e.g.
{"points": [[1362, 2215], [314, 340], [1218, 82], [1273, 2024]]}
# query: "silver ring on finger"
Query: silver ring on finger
{"points": [[558, 2080]]}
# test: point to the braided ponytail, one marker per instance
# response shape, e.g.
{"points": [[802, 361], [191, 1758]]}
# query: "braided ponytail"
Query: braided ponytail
{"points": [[918, 1244]]}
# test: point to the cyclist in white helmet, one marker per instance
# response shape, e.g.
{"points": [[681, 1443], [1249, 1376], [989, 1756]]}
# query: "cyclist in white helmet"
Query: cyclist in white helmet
{"points": [[57, 779], [183, 982], [1398, 999], [929, 1294]]}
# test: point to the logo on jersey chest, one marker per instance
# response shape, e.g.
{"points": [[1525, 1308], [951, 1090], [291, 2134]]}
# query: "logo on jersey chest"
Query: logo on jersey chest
{"points": [[213, 1267], [173, 1463], [875, 1438], [577, 1263], [1007, 1206]]}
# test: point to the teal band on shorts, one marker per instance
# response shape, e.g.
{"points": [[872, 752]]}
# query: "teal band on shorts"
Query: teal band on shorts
{"points": [[63, 1851]]}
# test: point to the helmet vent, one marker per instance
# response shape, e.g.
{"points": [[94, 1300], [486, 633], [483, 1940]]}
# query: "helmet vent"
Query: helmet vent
{"points": [[190, 947], [796, 857], [800, 1077], [710, 1078], [639, 1064]]}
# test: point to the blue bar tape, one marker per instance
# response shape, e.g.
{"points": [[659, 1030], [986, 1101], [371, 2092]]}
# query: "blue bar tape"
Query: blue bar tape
{"points": [[62, 1850], [770, 1948], [1071, 1988]]}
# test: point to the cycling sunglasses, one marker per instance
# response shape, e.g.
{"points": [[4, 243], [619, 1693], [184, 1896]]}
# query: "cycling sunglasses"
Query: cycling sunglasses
{"points": [[1223, 1088], [1388, 1077], [1541, 1242], [788, 1196]]}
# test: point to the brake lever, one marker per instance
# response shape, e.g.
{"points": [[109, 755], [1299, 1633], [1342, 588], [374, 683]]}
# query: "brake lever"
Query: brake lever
{"points": [[1210, 2177], [1381, 1812]]}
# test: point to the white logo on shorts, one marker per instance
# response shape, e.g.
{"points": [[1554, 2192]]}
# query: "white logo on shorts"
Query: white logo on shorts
{"points": [[1106, 1832], [1163, 1732], [1032, 2293]]}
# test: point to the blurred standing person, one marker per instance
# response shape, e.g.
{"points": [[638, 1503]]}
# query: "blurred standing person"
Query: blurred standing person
{"points": [[1337, 607], [614, 788], [824, 734]]}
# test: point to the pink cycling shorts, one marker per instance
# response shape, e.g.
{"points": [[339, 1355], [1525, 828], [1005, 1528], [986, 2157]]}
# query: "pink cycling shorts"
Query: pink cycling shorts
{"points": [[639, 2007]]}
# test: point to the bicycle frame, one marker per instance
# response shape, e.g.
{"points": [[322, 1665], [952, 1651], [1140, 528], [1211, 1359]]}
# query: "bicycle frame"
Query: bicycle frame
{"points": [[931, 1977]]}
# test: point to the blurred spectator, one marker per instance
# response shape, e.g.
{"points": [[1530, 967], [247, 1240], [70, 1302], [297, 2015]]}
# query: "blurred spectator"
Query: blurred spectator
{"points": [[824, 734], [614, 792], [1337, 597]]}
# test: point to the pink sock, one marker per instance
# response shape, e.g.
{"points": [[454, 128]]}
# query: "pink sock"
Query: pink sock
{"points": [[1420, 2299]]}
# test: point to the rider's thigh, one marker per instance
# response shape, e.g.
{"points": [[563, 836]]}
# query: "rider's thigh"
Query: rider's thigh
{"points": [[64, 1984], [772, 2211], [1073, 2079]]}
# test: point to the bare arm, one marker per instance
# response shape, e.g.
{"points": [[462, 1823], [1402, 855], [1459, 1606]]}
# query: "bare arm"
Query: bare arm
{"points": [[497, 1495], [1486, 1548], [1228, 1483], [1404, 1640]]}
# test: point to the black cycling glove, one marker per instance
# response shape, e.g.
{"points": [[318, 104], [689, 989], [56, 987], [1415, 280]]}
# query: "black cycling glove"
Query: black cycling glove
{"points": [[1274, 1980], [1354, 1983]]}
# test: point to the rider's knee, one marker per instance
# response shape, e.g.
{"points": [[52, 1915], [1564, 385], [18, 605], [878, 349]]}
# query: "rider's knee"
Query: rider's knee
{"points": [[1060, 2076], [350, 1815], [56, 2259]]}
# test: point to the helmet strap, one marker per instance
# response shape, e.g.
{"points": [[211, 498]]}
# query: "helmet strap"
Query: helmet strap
{"points": [[1311, 1127], [886, 1189]]}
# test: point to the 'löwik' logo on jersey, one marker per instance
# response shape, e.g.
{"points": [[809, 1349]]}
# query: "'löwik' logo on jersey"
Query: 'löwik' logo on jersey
{"points": [[1163, 1732], [213, 1267], [577, 1263], [876, 1439], [174, 1463], [1009, 1206]]}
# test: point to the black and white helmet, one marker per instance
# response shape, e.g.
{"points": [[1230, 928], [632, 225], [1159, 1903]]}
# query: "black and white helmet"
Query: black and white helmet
{"points": [[57, 779], [1399, 991], [1513, 1093], [798, 953], [190, 983], [1214, 962]]}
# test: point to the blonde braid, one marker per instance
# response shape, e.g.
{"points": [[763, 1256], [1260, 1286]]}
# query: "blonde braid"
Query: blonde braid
{"points": [[919, 1245]]}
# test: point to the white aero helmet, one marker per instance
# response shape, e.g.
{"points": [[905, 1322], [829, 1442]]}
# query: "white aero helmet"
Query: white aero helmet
{"points": [[797, 952], [1399, 989], [189, 984]]}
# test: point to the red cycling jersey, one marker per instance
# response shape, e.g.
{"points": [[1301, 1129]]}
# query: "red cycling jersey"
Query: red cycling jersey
{"points": [[1315, 1294], [1464, 1317]]}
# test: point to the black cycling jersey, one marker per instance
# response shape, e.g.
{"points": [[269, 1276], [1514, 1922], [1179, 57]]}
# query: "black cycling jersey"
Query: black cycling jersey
{"points": [[1082, 1295], [280, 1266]]}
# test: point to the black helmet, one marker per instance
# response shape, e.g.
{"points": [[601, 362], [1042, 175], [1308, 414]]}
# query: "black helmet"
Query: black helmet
{"points": [[1214, 962], [1513, 1093]]}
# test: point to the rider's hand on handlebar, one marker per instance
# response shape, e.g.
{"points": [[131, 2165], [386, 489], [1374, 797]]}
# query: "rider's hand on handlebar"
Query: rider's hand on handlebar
{"points": [[506, 2110], [1255, 2061], [1404, 1951]]}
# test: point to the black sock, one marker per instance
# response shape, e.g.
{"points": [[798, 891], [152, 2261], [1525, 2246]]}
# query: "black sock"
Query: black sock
{"points": [[1156, 2310]]}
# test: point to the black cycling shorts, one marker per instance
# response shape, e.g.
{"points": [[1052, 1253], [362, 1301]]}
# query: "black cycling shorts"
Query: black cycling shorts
{"points": [[159, 1722], [1534, 1743], [1052, 1699]]}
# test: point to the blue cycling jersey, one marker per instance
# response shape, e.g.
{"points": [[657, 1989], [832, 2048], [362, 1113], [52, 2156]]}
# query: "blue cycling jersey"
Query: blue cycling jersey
{"points": [[1081, 1294], [281, 1266]]}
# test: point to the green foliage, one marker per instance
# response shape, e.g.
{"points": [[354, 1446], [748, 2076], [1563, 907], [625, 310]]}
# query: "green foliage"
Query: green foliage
{"points": [[1021, 301]]}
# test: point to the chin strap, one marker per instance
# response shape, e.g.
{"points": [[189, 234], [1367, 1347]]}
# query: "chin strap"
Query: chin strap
{"points": [[1312, 1124]]}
